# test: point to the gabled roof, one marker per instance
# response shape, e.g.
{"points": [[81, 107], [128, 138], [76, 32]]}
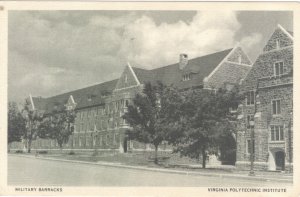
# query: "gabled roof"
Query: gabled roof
{"points": [[201, 67], [85, 97], [172, 74], [288, 33], [39, 102]]}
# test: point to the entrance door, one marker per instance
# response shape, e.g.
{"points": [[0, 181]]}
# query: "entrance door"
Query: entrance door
{"points": [[279, 160], [125, 145]]}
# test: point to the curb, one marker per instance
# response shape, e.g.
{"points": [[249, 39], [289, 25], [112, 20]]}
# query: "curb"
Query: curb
{"points": [[119, 165]]}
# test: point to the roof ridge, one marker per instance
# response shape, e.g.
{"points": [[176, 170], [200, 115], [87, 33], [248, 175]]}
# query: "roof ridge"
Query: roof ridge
{"points": [[196, 58], [91, 86]]}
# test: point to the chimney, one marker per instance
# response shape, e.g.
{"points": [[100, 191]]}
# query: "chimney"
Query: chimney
{"points": [[183, 60]]}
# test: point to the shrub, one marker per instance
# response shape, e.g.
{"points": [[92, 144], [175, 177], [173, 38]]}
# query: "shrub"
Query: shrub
{"points": [[71, 153], [19, 151]]}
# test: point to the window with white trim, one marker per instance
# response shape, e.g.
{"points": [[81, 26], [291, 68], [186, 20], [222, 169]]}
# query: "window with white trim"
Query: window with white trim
{"points": [[250, 98], [278, 68], [186, 77], [87, 142], [100, 140], [125, 78], [249, 118], [239, 58], [94, 140], [277, 44], [277, 133], [114, 139], [276, 107]]}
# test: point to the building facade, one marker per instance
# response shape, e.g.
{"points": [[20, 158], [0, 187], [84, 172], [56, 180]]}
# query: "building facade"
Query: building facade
{"points": [[99, 108], [268, 104]]}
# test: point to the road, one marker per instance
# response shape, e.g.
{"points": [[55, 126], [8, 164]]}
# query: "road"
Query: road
{"points": [[34, 171]]}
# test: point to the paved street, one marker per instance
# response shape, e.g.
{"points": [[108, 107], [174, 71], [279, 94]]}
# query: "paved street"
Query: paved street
{"points": [[33, 171]]}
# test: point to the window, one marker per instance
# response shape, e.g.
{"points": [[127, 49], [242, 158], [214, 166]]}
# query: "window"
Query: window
{"points": [[277, 133], [94, 141], [249, 146], [276, 108], [125, 78], [80, 143], [107, 140], [87, 126], [114, 139], [87, 142], [100, 141], [250, 99], [240, 59], [278, 68], [186, 77], [249, 118], [81, 127], [277, 44]]}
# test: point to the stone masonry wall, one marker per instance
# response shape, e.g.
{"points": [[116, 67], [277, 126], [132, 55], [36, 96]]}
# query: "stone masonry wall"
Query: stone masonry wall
{"points": [[227, 73], [268, 87], [284, 40], [234, 57]]}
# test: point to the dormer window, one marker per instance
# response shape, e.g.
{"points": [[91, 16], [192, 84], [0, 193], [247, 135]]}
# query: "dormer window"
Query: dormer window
{"points": [[240, 59], [125, 79], [69, 107], [277, 44], [278, 68], [186, 77]]}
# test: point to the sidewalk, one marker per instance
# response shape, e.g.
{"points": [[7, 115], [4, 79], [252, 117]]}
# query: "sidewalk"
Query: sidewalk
{"points": [[260, 176]]}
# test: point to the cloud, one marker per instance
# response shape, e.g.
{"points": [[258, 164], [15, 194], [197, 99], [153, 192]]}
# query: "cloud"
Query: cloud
{"points": [[248, 42], [150, 45], [51, 52]]}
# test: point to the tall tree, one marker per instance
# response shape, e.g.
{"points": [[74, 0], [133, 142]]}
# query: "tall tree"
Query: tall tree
{"points": [[146, 115], [16, 124], [205, 118], [33, 119], [58, 125]]}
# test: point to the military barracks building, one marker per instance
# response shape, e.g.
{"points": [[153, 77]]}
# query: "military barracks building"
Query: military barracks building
{"points": [[267, 86], [268, 89], [99, 108]]}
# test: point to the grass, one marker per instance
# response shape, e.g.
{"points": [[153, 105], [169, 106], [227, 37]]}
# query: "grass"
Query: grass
{"points": [[146, 159]]}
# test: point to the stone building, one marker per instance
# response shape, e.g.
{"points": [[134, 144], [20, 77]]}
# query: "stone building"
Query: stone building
{"points": [[268, 90], [99, 108]]}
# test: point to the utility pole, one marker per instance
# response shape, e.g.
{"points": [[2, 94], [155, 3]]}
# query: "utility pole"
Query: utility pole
{"points": [[251, 173]]}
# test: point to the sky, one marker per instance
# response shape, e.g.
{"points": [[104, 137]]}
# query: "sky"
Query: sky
{"points": [[52, 52]]}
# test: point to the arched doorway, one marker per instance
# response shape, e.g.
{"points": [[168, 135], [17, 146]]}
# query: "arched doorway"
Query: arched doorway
{"points": [[280, 160], [125, 144]]}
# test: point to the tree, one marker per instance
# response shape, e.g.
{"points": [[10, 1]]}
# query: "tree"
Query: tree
{"points": [[16, 124], [58, 126], [146, 115], [33, 119], [205, 117]]}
